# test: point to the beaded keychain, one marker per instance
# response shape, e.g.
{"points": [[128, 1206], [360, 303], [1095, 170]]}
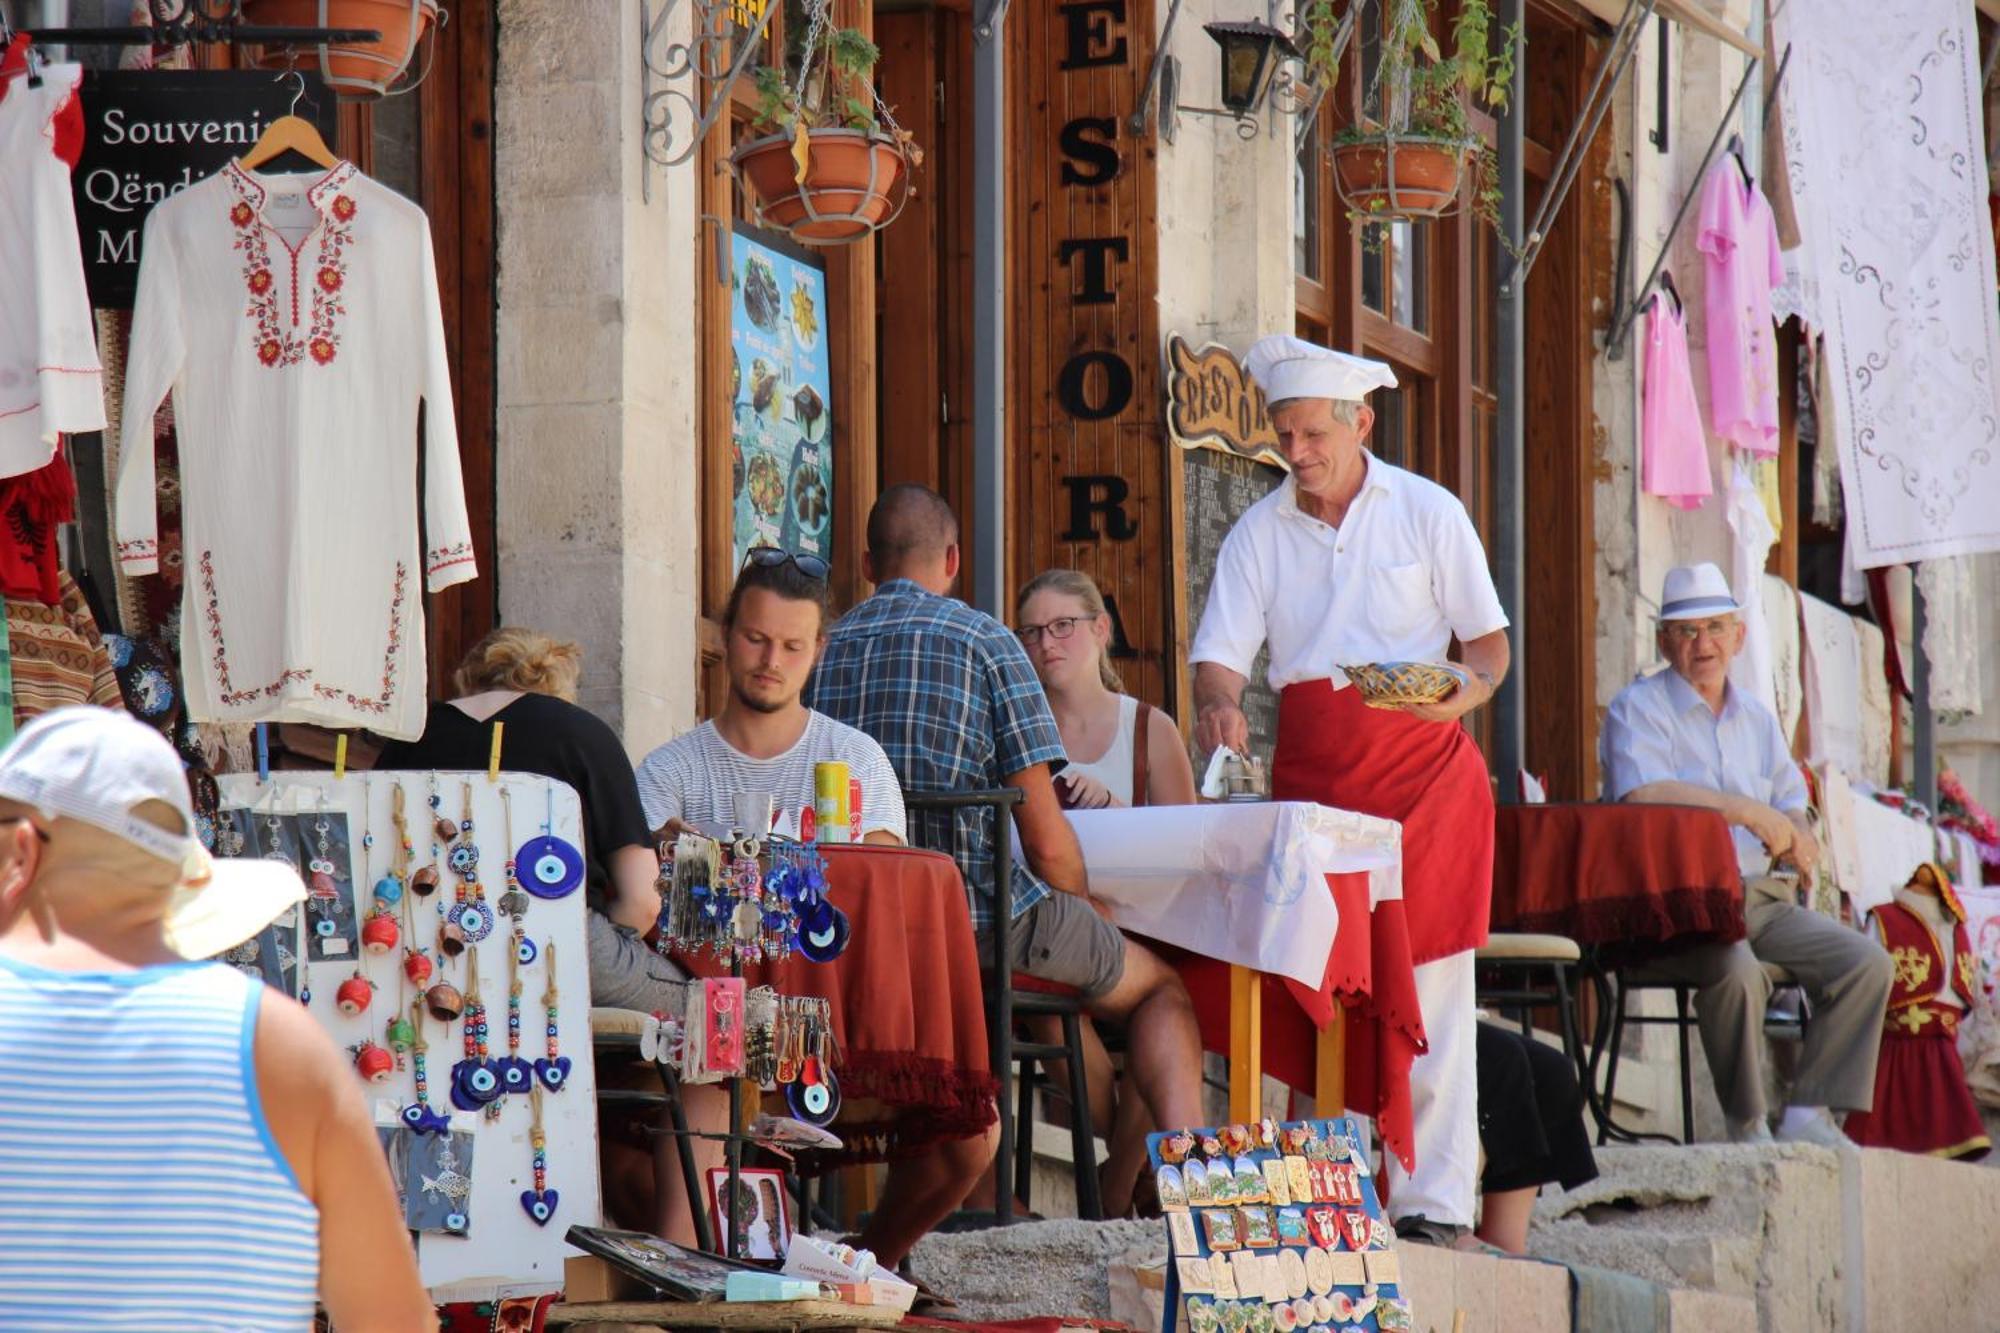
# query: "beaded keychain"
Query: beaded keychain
{"points": [[552, 1069], [469, 913], [418, 1115], [540, 1202], [514, 901], [475, 1082], [516, 1074]]}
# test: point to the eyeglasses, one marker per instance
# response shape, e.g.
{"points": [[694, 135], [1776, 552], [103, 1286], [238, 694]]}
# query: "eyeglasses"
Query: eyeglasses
{"points": [[1058, 629], [770, 557], [1687, 631]]}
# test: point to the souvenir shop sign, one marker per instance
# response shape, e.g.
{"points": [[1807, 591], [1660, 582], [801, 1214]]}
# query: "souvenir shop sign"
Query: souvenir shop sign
{"points": [[1212, 403], [150, 134], [781, 398]]}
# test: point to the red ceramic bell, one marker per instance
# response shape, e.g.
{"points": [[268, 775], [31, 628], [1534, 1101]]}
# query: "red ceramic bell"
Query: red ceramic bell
{"points": [[417, 966], [379, 934], [374, 1063], [354, 995]]}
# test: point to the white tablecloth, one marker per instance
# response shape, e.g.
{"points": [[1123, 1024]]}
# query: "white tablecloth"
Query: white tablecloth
{"points": [[1244, 882]]}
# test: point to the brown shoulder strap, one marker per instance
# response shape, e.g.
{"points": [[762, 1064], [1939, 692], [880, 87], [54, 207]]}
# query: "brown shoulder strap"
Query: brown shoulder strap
{"points": [[1141, 772]]}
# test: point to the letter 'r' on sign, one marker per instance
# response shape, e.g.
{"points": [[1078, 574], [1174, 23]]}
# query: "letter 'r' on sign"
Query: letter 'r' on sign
{"points": [[1094, 497]]}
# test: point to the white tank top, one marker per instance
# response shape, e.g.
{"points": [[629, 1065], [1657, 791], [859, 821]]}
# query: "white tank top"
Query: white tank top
{"points": [[1114, 767]]}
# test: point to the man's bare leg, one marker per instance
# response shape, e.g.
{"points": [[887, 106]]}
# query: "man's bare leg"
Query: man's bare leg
{"points": [[1163, 1043], [922, 1191], [706, 1106]]}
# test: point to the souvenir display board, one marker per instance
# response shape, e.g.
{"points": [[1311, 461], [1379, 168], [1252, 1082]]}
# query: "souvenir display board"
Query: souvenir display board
{"points": [[1275, 1228], [781, 398], [442, 945]]}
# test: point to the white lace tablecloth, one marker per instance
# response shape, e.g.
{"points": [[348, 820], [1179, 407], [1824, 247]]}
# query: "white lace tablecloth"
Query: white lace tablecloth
{"points": [[1242, 882]]}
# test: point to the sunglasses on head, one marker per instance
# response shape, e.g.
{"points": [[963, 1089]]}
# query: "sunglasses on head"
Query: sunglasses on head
{"points": [[770, 557]]}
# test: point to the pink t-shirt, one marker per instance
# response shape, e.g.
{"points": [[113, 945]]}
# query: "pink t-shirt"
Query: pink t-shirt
{"points": [[1673, 450], [1740, 239]]}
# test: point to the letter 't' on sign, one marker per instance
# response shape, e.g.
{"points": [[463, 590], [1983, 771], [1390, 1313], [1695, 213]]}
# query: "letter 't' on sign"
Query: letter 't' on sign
{"points": [[1095, 496], [1094, 33], [1097, 252]]}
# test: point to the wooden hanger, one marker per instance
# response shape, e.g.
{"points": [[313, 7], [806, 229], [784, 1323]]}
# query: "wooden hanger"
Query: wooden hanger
{"points": [[1667, 282], [1736, 151], [290, 133]]}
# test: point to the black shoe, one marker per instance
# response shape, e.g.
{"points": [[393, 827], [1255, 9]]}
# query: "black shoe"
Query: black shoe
{"points": [[1420, 1230]]}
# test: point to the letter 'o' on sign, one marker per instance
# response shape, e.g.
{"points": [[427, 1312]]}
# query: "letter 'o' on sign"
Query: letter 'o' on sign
{"points": [[1086, 400]]}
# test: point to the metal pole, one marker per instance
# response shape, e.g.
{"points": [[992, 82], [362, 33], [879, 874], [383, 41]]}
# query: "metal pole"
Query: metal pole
{"points": [[989, 311], [1509, 736], [1923, 739]]}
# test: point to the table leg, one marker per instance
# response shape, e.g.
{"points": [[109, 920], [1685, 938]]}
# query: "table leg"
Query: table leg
{"points": [[1246, 1045], [1330, 1066]]}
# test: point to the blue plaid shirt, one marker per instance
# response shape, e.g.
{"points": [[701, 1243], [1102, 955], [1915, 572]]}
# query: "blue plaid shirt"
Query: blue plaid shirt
{"points": [[949, 694]]}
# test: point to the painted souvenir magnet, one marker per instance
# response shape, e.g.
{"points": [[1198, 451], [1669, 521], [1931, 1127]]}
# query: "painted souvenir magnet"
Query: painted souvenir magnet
{"points": [[1319, 1271], [1194, 1182], [1292, 1269], [1324, 1225], [1298, 1179], [1273, 1274], [1249, 1181], [1394, 1316], [1277, 1181], [1201, 1313], [1354, 1228], [1235, 1317], [1175, 1147], [1248, 1273], [1284, 1318], [1292, 1227], [1195, 1276], [1220, 1224], [1173, 1193], [1322, 1303], [1235, 1139], [1211, 1146], [1222, 1274], [1259, 1232], [1349, 1270], [1180, 1227], [1383, 1268], [1380, 1234]]}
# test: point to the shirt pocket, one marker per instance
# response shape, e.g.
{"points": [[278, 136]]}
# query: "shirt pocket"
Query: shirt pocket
{"points": [[1400, 601]]}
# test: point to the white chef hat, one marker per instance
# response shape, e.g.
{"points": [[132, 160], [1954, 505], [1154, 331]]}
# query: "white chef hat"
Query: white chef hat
{"points": [[1286, 367]]}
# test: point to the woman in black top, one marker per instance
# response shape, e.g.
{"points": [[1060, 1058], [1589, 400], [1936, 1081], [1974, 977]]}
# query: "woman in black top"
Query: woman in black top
{"points": [[528, 681]]}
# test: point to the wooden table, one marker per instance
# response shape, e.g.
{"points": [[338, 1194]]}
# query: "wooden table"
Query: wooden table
{"points": [[620, 1316]]}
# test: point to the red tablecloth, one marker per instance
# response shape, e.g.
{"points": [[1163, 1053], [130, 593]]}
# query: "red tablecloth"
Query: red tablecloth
{"points": [[1369, 972], [1617, 873], [906, 1003]]}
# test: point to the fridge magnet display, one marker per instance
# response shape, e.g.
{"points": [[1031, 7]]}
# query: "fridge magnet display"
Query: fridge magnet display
{"points": [[1275, 1228]]}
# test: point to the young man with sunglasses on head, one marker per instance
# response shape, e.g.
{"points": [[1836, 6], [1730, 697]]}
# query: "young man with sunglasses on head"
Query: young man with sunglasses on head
{"points": [[764, 741], [1687, 736]]}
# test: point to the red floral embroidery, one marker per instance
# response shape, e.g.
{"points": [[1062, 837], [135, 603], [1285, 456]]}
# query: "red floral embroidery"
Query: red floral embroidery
{"points": [[275, 343], [444, 557], [219, 652], [139, 548]]}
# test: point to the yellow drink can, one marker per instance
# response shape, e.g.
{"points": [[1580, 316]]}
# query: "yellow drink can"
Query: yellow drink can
{"points": [[830, 802]]}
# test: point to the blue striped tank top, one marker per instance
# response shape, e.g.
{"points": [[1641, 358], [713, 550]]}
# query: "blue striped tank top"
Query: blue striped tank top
{"points": [[140, 1187]]}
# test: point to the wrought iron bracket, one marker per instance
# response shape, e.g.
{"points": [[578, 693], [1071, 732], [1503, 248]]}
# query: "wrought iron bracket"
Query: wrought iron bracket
{"points": [[684, 86], [207, 22]]}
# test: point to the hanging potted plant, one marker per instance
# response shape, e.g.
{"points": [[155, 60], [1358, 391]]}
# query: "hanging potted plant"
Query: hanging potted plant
{"points": [[1411, 162], [356, 71], [831, 165]]}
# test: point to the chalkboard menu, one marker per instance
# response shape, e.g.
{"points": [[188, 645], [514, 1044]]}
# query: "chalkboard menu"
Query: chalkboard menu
{"points": [[1216, 489]]}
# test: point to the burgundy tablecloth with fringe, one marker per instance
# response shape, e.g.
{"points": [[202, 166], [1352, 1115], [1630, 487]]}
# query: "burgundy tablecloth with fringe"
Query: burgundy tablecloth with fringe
{"points": [[1611, 874], [906, 1004]]}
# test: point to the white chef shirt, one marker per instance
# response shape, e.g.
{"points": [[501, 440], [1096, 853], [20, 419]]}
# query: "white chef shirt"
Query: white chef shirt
{"points": [[50, 380], [296, 321], [1659, 729], [1394, 582]]}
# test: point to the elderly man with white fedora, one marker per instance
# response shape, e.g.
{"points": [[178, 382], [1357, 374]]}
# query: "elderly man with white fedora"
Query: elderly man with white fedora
{"points": [[1350, 562], [1687, 736]]}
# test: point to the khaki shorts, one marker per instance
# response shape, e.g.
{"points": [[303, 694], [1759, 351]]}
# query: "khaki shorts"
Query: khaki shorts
{"points": [[1063, 939]]}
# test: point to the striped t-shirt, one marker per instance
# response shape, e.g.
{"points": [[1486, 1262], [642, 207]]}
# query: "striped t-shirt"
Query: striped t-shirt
{"points": [[696, 777], [140, 1187]]}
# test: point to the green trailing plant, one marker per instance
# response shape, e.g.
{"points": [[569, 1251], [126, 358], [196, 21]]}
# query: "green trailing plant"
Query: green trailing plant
{"points": [[1418, 91], [836, 94]]}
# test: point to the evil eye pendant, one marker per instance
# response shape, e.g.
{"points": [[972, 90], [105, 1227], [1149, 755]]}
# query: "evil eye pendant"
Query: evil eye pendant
{"points": [[474, 922], [554, 1074], [539, 1205], [456, 1223], [516, 1075], [464, 859], [525, 951]]}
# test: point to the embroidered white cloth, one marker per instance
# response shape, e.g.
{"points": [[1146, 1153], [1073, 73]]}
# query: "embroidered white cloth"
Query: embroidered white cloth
{"points": [[1832, 684], [1781, 623], [1751, 539], [296, 321], [50, 378], [1884, 101], [1241, 882], [1952, 626]]}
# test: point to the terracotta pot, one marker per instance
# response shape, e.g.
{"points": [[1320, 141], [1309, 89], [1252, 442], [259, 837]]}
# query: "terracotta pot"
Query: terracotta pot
{"points": [[356, 71], [1414, 176], [851, 186]]}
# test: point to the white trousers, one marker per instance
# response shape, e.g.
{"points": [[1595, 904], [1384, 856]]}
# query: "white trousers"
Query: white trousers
{"points": [[1444, 1096]]}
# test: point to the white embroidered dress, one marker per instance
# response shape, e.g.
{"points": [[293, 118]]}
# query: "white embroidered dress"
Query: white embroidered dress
{"points": [[50, 380], [296, 322]]}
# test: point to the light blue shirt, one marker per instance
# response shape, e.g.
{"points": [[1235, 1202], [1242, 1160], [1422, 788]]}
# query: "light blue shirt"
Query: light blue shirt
{"points": [[1660, 730]]}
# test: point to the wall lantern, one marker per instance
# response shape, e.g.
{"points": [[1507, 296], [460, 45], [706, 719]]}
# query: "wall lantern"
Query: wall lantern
{"points": [[1250, 53], [1253, 53]]}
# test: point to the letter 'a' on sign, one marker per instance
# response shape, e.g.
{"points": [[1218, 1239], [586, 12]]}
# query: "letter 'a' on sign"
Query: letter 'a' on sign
{"points": [[1110, 395]]}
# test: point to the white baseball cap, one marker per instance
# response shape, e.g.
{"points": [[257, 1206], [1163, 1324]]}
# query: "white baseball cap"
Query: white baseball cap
{"points": [[1693, 592], [98, 766]]}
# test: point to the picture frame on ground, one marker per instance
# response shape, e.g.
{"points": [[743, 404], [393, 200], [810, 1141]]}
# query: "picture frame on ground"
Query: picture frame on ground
{"points": [[764, 1226]]}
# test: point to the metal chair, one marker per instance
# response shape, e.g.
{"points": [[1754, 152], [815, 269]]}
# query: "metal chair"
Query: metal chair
{"points": [[1025, 997], [614, 1034]]}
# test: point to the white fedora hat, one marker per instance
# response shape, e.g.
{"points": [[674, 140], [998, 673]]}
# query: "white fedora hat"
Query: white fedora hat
{"points": [[1694, 592]]}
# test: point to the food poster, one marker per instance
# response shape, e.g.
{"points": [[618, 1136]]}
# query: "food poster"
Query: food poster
{"points": [[1276, 1228], [780, 391]]}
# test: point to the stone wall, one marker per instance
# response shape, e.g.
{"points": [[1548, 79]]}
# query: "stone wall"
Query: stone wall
{"points": [[598, 365]]}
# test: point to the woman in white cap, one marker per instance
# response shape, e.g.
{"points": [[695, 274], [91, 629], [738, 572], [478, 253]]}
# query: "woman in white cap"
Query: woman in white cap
{"points": [[179, 1148], [1354, 562]]}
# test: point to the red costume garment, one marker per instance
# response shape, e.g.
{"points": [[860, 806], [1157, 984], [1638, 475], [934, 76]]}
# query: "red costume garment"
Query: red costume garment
{"points": [[1922, 1104]]}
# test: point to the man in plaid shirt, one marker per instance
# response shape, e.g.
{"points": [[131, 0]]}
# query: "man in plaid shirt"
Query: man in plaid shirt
{"points": [[950, 695]]}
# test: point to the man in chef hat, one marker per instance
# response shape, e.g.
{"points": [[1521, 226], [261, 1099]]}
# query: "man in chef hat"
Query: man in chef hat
{"points": [[1350, 562]]}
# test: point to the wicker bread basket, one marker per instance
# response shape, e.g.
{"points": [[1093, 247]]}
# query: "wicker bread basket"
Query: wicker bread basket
{"points": [[1404, 684]]}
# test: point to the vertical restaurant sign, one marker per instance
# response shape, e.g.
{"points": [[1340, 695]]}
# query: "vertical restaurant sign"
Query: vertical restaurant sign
{"points": [[781, 398], [148, 135], [1213, 404]]}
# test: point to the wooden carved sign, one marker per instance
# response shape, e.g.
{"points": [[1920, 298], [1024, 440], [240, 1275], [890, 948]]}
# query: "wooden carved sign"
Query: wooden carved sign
{"points": [[1212, 404]]}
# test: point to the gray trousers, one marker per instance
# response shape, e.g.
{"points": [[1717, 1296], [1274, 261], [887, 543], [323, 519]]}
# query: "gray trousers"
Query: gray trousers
{"points": [[1845, 975]]}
